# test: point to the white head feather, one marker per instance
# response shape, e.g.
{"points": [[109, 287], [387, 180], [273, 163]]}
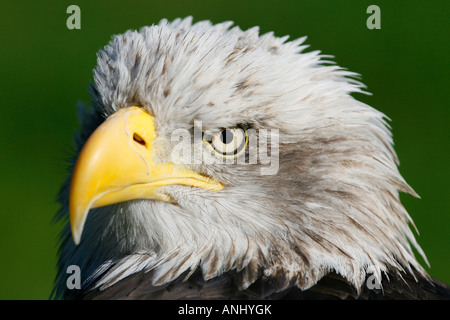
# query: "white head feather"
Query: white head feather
{"points": [[332, 206]]}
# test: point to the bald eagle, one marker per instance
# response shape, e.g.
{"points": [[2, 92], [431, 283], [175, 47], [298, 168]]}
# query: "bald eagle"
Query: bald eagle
{"points": [[150, 216]]}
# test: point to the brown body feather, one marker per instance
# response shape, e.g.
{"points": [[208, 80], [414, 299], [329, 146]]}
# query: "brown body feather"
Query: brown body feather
{"points": [[332, 286]]}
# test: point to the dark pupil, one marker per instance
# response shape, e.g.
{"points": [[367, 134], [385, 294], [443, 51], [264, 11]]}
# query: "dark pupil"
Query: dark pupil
{"points": [[226, 136]]}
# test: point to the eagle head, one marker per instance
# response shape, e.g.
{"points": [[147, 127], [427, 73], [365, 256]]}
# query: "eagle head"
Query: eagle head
{"points": [[210, 151]]}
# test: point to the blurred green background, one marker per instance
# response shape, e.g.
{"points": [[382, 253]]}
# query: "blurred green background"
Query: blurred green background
{"points": [[45, 69]]}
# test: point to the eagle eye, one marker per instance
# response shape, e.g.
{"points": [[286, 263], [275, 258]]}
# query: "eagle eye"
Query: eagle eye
{"points": [[228, 142]]}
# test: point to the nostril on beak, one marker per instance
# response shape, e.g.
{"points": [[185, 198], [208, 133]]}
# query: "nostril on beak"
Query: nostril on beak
{"points": [[139, 139]]}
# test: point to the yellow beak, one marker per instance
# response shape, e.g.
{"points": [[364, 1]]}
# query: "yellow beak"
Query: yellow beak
{"points": [[118, 164]]}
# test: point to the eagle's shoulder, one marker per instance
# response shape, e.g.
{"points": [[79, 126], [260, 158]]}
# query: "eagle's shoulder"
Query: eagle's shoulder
{"points": [[332, 286]]}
